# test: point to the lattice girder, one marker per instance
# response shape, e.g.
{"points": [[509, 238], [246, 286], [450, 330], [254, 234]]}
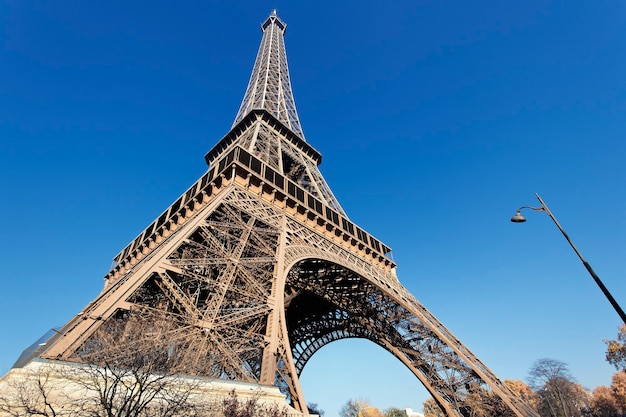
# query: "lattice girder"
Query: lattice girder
{"points": [[257, 267], [231, 269], [275, 145], [269, 87]]}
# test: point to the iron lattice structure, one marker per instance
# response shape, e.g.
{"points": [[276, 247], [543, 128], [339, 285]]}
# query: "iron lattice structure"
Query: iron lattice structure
{"points": [[259, 267], [269, 87]]}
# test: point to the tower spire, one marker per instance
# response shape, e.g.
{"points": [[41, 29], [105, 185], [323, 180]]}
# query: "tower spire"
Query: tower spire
{"points": [[269, 87]]}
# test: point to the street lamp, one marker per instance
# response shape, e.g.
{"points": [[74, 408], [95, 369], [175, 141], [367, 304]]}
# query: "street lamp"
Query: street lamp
{"points": [[518, 218]]}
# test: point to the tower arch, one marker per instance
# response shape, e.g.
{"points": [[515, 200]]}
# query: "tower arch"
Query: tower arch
{"points": [[327, 301]]}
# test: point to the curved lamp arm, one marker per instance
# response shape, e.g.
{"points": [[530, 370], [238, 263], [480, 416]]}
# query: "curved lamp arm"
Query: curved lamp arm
{"points": [[518, 218]]}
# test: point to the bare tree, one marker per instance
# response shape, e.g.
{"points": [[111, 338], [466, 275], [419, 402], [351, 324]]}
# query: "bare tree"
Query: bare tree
{"points": [[130, 368], [32, 394], [133, 366], [560, 395], [127, 369], [354, 408]]}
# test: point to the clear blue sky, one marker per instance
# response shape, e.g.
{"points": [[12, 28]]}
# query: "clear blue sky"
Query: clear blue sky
{"points": [[436, 121]]}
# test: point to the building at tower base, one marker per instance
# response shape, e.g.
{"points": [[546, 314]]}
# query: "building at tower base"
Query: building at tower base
{"points": [[59, 388]]}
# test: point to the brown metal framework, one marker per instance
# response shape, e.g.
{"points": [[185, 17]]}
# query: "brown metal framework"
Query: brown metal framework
{"points": [[260, 267]]}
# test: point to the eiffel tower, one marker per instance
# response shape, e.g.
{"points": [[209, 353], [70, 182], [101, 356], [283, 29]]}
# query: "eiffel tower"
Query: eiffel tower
{"points": [[261, 267]]}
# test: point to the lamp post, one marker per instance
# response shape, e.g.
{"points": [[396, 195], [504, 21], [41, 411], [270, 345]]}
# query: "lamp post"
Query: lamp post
{"points": [[518, 218]]}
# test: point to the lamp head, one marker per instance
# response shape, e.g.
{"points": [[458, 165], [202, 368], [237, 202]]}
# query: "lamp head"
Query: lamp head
{"points": [[518, 218]]}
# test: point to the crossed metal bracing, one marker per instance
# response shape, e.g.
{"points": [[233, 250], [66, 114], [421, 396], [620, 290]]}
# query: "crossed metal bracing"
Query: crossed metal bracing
{"points": [[269, 87], [219, 280], [282, 153], [257, 286], [255, 292]]}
